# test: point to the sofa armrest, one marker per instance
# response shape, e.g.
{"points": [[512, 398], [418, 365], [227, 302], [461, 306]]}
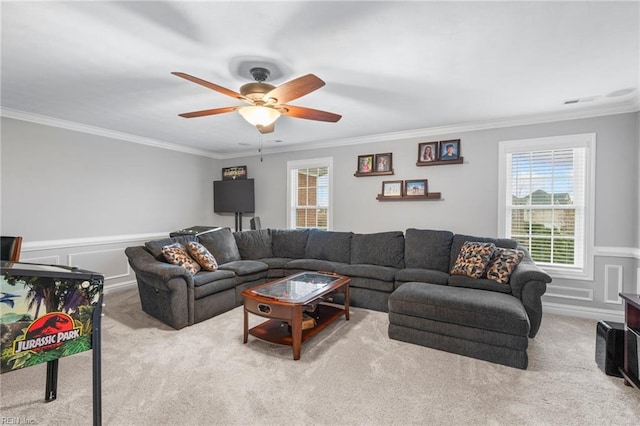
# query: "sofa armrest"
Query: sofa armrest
{"points": [[528, 283], [142, 262]]}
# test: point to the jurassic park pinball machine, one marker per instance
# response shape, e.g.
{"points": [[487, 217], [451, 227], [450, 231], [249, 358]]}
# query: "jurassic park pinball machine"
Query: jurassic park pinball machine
{"points": [[48, 312]]}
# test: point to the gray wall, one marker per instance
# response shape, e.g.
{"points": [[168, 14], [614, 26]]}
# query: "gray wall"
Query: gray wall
{"points": [[469, 190], [61, 184]]}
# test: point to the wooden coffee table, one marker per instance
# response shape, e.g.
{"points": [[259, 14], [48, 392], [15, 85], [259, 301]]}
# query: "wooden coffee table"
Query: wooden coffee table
{"points": [[286, 300]]}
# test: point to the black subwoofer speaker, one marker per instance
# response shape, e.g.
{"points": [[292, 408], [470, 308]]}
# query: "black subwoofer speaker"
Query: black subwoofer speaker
{"points": [[610, 347]]}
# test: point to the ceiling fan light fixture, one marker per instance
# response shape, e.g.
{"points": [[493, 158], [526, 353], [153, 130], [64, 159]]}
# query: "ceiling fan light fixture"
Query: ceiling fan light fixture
{"points": [[259, 115]]}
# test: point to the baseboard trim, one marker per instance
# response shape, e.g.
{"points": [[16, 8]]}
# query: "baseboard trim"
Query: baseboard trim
{"points": [[120, 286], [583, 312]]}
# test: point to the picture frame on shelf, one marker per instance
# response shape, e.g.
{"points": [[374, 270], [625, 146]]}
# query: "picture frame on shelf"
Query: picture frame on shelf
{"points": [[450, 150], [384, 162], [392, 188], [428, 152], [365, 163], [415, 188]]}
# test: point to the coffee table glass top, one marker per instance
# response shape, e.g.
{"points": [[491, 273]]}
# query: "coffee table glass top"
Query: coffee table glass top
{"points": [[297, 288]]}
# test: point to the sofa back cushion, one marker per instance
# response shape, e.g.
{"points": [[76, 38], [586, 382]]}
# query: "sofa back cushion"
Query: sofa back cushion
{"points": [[382, 249], [289, 243], [427, 249], [254, 244], [155, 246], [329, 245], [221, 244], [459, 240]]}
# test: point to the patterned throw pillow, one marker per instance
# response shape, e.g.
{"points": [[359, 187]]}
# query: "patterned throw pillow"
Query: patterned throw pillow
{"points": [[503, 262], [473, 259], [201, 255], [177, 254]]}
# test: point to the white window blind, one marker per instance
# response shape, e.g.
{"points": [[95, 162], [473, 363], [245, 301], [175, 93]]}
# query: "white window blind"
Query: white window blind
{"points": [[546, 190], [310, 194]]}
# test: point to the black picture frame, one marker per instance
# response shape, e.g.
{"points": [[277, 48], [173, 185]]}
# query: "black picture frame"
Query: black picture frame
{"points": [[384, 162], [366, 163], [449, 150], [428, 147]]}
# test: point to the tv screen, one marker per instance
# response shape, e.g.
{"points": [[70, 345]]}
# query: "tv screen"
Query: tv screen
{"points": [[233, 196]]}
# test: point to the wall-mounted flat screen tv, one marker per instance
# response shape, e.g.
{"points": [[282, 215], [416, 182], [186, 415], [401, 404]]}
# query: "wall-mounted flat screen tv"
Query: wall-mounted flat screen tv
{"points": [[233, 196]]}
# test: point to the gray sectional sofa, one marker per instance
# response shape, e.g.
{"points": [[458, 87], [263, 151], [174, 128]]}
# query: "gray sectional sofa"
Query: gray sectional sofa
{"points": [[405, 274]]}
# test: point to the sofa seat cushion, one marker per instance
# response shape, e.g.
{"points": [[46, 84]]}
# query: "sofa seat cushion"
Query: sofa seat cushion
{"points": [[329, 245], [313, 265], [276, 262], [486, 310], [382, 249], [427, 249], [478, 283], [205, 277], [381, 273], [421, 275], [371, 284], [245, 267], [207, 283]]}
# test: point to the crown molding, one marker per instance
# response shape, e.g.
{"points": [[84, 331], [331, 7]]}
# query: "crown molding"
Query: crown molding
{"points": [[99, 131], [632, 105], [620, 108]]}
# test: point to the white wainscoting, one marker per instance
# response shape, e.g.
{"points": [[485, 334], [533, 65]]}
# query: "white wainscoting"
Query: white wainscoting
{"points": [[104, 255]]}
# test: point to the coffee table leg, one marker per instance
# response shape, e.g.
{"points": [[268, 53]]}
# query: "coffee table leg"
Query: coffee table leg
{"points": [[246, 327], [346, 303], [296, 331]]}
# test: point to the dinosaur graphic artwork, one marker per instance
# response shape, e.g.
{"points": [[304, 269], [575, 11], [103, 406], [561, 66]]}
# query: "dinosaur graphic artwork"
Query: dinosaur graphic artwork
{"points": [[46, 317]]}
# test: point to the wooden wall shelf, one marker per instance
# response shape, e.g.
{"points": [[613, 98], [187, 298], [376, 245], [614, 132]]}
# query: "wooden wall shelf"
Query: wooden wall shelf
{"points": [[440, 162], [388, 173], [430, 196]]}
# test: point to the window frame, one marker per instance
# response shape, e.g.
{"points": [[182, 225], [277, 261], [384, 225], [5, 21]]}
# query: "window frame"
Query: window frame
{"points": [[303, 164], [586, 140]]}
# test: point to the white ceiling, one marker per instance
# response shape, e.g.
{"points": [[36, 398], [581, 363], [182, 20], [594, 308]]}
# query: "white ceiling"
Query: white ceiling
{"points": [[389, 67]]}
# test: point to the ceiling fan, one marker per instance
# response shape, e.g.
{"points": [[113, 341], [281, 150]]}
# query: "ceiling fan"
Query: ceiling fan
{"points": [[266, 101]]}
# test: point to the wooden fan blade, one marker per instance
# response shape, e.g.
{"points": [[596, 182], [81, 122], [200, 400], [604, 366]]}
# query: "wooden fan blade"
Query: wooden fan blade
{"points": [[266, 129], [206, 112], [211, 86], [310, 114], [294, 89]]}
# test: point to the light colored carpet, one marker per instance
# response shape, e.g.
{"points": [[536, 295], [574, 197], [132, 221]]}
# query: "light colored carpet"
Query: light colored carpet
{"points": [[350, 374]]}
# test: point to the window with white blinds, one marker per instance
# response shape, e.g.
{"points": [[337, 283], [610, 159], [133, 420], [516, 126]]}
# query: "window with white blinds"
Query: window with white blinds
{"points": [[309, 185], [546, 200]]}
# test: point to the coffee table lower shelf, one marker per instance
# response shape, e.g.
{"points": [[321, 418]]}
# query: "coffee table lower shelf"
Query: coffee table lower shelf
{"points": [[276, 330]]}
